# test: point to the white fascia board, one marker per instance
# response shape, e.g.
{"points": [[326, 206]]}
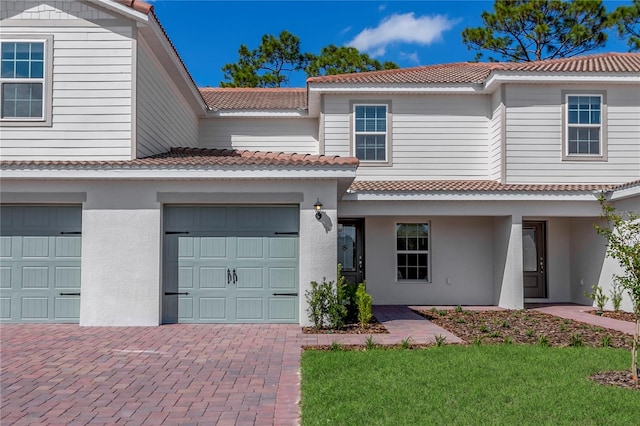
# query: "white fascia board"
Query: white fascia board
{"points": [[405, 88], [621, 194], [501, 77], [121, 9], [247, 113], [177, 174], [467, 196]]}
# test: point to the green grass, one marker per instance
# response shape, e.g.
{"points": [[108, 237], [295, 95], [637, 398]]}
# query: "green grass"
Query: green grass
{"points": [[465, 385]]}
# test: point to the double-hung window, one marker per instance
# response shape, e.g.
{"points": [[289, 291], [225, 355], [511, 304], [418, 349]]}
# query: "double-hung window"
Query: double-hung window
{"points": [[23, 76], [370, 132], [584, 126], [412, 252]]}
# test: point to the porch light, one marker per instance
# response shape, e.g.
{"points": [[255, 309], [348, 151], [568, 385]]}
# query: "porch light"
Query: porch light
{"points": [[318, 207]]}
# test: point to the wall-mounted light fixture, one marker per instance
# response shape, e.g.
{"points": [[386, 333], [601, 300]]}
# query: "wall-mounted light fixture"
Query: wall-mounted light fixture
{"points": [[318, 207]]}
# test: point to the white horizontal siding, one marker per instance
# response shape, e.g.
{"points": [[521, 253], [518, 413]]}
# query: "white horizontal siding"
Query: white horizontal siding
{"points": [[299, 135], [164, 119], [91, 87], [534, 143], [433, 136]]}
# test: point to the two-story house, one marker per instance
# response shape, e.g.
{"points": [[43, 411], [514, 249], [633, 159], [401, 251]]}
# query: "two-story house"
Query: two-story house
{"points": [[132, 197]]}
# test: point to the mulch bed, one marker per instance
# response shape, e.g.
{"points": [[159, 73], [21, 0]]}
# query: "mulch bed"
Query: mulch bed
{"points": [[374, 327], [621, 379], [623, 316]]}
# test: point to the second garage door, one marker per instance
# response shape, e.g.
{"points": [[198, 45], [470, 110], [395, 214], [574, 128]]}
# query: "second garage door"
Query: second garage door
{"points": [[231, 264]]}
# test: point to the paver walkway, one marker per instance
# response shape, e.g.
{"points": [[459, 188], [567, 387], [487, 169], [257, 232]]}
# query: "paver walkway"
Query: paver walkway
{"points": [[578, 313], [235, 374]]}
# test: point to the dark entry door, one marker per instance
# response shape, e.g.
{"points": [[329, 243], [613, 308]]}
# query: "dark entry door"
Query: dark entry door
{"points": [[534, 259], [351, 249]]}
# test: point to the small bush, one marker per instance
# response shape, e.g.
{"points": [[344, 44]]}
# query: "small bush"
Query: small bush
{"points": [[458, 309], [484, 328], [477, 341], [616, 295], [507, 340], [543, 341], [576, 340], [440, 340], [363, 301], [370, 343], [530, 333], [336, 346], [606, 341], [598, 296], [406, 343]]}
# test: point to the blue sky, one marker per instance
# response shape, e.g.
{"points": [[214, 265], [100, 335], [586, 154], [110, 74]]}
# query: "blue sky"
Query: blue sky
{"points": [[208, 33]]}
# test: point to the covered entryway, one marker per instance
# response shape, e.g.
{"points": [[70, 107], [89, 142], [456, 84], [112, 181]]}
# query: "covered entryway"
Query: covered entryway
{"points": [[40, 249], [231, 264]]}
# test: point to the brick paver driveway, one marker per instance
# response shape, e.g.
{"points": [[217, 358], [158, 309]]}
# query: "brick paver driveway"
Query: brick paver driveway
{"points": [[174, 374], [236, 374]]}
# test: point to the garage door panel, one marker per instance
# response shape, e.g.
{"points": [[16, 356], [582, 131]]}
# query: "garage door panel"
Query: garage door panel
{"points": [[68, 246], [66, 308], [67, 277], [5, 308], [283, 278], [185, 308], [38, 263], [6, 247], [213, 308], [227, 269], [250, 248], [213, 248], [35, 247], [283, 248], [283, 309], [185, 277], [34, 308], [213, 278], [249, 277], [250, 309]]}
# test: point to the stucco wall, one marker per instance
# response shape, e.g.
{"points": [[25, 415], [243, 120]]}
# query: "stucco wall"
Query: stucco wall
{"points": [[122, 245], [461, 261]]}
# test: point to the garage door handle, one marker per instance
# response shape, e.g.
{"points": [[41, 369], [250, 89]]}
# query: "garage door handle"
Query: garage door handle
{"points": [[71, 233], [171, 293], [285, 294], [176, 233], [285, 233], [228, 276], [69, 294], [235, 277]]}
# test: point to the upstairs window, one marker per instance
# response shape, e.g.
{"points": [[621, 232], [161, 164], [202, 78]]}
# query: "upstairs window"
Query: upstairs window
{"points": [[22, 80], [370, 124], [584, 125]]}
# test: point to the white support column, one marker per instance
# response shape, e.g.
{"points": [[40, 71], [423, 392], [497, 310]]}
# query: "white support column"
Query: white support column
{"points": [[508, 275], [120, 256], [318, 242]]}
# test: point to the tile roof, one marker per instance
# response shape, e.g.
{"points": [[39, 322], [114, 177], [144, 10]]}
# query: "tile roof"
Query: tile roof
{"points": [[197, 158], [468, 186], [138, 5], [255, 98], [477, 72]]}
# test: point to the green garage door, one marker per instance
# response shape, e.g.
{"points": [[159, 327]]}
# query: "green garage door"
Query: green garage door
{"points": [[231, 264], [40, 263]]}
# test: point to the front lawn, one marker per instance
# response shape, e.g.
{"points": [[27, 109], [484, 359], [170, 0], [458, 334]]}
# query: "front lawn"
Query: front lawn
{"points": [[465, 385]]}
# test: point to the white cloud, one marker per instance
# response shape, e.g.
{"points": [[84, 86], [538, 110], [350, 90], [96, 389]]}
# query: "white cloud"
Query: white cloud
{"points": [[382, 7], [346, 30], [411, 57], [401, 28]]}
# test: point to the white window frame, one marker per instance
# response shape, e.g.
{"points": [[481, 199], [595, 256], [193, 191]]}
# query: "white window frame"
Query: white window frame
{"points": [[46, 80], [386, 133], [566, 155], [427, 252]]}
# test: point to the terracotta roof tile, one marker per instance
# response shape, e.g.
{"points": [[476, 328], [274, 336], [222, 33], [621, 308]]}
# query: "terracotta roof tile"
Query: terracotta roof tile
{"points": [[467, 186], [255, 98], [138, 5], [197, 158], [472, 72]]}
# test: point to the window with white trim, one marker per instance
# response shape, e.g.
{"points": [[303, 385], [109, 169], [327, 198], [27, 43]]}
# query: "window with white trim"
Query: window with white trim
{"points": [[412, 252], [22, 80], [370, 132], [584, 125]]}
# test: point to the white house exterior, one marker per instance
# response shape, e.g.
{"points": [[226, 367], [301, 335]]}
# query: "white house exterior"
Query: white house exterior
{"points": [[131, 197]]}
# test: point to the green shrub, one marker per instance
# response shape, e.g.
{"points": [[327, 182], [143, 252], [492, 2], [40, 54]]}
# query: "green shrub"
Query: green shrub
{"points": [[326, 308], [616, 295], [598, 296], [543, 341], [576, 340], [364, 302], [370, 343], [440, 340]]}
